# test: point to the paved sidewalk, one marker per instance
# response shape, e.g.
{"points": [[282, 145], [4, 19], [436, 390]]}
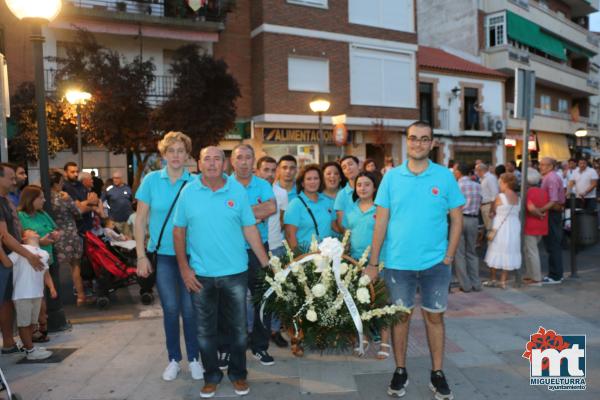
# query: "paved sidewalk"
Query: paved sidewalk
{"points": [[486, 335]]}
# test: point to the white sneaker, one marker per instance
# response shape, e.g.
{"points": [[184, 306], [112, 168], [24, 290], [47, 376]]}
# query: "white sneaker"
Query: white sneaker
{"points": [[171, 371], [196, 370], [37, 353]]}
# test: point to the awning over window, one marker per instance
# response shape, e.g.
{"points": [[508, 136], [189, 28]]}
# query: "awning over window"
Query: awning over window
{"points": [[578, 50], [553, 145], [530, 34]]}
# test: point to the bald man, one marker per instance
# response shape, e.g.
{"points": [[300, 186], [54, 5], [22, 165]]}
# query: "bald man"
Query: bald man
{"points": [[117, 198]]}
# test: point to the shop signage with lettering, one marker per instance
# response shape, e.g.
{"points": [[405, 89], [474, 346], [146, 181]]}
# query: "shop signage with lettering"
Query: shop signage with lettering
{"points": [[296, 135]]}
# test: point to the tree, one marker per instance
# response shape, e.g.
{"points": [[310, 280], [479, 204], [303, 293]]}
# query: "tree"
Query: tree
{"points": [[118, 116], [59, 121], [202, 103]]}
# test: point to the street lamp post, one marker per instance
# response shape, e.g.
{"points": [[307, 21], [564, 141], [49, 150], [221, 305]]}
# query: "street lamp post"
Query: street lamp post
{"points": [[78, 98], [38, 13], [319, 105]]}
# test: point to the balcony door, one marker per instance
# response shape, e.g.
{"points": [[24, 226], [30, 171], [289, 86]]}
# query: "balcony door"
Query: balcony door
{"points": [[471, 109], [426, 102]]}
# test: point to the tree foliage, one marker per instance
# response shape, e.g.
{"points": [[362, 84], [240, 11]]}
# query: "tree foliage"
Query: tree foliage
{"points": [[60, 122], [202, 103]]}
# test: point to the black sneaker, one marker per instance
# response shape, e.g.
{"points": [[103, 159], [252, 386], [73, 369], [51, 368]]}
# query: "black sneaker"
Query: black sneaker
{"points": [[264, 357], [223, 361], [439, 386], [12, 350], [399, 383], [279, 340]]}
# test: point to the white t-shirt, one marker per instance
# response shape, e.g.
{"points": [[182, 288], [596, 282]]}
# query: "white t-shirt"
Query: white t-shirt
{"points": [[275, 233], [583, 180], [27, 282]]}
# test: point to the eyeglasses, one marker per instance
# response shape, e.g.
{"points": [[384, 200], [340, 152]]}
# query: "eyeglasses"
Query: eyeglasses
{"points": [[421, 140]]}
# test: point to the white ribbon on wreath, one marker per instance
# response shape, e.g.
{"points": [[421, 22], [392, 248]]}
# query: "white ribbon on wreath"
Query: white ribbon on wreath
{"points": [[333, 249]]}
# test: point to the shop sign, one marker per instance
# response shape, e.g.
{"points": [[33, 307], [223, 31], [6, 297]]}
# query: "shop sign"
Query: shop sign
{"points": [[340, 134], [296, 135]]}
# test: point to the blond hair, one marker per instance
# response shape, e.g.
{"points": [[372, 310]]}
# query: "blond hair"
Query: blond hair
{"points": [[173, 137], [510, 179]]}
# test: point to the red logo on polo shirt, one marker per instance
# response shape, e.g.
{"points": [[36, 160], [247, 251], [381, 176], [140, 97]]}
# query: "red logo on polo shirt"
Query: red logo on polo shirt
{"points": [[435, 191], [230, 203], [374, 216]]}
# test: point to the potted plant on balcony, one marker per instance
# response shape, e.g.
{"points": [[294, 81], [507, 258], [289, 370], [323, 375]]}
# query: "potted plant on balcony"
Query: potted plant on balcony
{"points": [[121, 6]]}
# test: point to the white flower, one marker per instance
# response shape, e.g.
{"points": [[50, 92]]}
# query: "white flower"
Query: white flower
{"points": [[363, 295], [311, 315], [295, 268], [331, 248], [321, 263], [343, 268], [280, 277], [364, 280], [275, 261], [319, 290]]}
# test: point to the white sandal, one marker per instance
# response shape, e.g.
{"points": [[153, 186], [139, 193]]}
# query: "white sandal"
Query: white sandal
{"points": [[382, 354], [365, 349]]}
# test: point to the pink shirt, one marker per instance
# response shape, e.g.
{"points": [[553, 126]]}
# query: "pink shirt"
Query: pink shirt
{"points": [[553, 185]]}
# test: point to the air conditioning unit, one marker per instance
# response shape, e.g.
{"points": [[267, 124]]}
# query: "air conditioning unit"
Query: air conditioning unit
{"points": [[497, 125]]}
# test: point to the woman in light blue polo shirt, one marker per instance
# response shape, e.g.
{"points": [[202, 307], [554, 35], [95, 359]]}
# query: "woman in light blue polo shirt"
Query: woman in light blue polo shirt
{"points": [[311, 213], [360, 219], [155, 197]]}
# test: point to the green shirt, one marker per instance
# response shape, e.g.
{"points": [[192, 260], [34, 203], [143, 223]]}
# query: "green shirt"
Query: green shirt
{"points": [[42, 224]]}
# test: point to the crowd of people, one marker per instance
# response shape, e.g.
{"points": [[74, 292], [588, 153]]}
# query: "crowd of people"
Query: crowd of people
{"points": [[204, 239]]}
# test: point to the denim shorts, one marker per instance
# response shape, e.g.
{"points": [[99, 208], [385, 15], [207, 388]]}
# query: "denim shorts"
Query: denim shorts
{"points": [[433, 283], [6, 284]]}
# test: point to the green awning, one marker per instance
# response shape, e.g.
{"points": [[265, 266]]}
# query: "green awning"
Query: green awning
{"points": [[532, 35], [578, 50]]}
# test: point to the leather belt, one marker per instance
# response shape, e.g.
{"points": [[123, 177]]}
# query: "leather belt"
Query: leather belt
{"points": [[470, 215]]}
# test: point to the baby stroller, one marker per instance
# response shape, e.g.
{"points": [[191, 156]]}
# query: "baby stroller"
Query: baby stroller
{"points": [[113, 269]]}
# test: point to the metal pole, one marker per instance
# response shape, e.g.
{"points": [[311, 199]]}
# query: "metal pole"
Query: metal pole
{"points": [[321, 139], [40, 98], [79, 147], [524, 166], [57, 320], [574, 232]]}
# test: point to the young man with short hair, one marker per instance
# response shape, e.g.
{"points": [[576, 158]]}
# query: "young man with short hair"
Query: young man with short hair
{"points": [[414, 202], [287, 167]]}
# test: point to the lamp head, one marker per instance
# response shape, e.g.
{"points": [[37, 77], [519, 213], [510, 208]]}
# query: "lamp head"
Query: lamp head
{"points": [[456, 91], [319, 104], [581, 132], [35, 9], [77, 97]]}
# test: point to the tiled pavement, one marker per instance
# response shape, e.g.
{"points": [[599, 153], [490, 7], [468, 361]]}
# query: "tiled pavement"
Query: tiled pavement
{"points": [[486, 335]]}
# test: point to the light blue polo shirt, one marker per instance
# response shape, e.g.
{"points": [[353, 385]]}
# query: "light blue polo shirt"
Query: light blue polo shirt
{"points": [[214, 223], [417, 232], [158, 192], [343, 200], [297, 215], [361, 224], [259, 191]]}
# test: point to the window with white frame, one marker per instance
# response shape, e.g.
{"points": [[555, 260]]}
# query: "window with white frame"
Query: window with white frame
{"points": [[398, 15], [563, 105], [311, 3], [496, 30], [546, 104], [308, 74], [382, 78]]}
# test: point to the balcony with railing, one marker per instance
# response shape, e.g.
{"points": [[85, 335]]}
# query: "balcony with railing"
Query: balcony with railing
{"points": [[507, 57], [159, 91], [159, 12], [548, 120]]}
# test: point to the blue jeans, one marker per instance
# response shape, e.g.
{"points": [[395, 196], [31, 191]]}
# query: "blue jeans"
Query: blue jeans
{"points": [[433, 283], [222, 300], [176, 300], [552, 241]]}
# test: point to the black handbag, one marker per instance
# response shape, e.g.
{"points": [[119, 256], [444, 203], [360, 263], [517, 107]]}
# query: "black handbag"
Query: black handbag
{"points": [[153, 255]]}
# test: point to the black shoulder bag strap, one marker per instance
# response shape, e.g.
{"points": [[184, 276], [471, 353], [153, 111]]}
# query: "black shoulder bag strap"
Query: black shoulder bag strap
{"points": [[311, 215], [162, 230]]}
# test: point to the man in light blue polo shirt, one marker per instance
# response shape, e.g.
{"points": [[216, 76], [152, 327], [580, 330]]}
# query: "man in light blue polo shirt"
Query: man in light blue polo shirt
{"points": [[343, 200], [262, 201], [213, 221], [411, 238]]}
